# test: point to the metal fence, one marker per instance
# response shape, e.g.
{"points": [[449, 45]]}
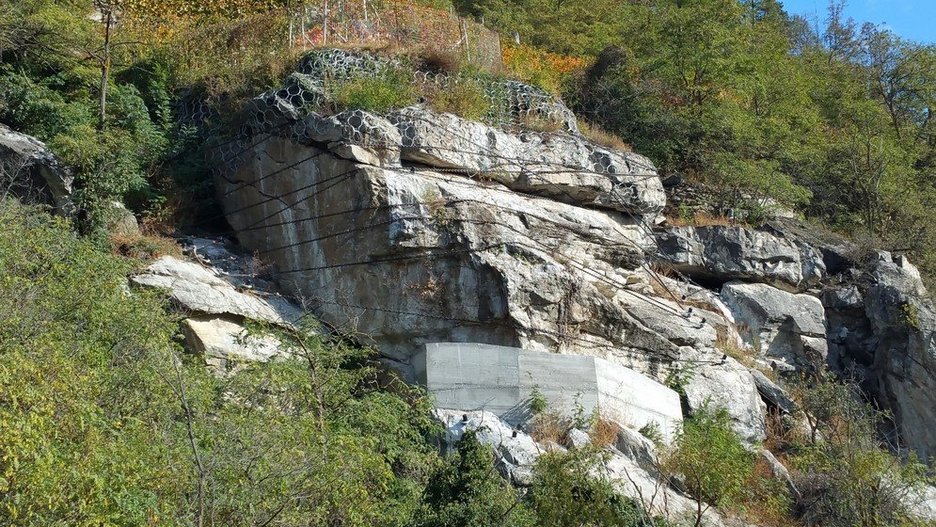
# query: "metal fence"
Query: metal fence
{"points": [[398, 24]]}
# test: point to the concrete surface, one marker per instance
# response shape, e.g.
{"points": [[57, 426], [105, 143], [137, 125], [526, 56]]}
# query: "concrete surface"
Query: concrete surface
{"points": [[501, 379]]}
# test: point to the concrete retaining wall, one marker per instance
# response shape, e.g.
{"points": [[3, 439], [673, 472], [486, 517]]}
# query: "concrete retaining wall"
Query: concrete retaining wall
{"points": [[500, 380]]}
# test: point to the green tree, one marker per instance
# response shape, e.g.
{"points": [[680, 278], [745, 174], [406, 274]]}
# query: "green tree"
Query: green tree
{"points": [[710, 459], [567, 491], [468, 491]]}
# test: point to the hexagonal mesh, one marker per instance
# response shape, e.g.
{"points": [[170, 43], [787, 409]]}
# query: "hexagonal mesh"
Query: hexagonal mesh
{"points": [[297, 109]]}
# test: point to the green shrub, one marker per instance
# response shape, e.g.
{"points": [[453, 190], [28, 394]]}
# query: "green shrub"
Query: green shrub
{"points": [[711, 460], [651, 431], [566, 491], [88, 427], [390, 89], [679, 377], [467, 492], [844, 476], [538, 402], [104, 422]]}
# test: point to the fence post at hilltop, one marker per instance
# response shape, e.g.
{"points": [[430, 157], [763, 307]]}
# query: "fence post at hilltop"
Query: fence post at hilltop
{"points": [[464, 27], [325, 23]]}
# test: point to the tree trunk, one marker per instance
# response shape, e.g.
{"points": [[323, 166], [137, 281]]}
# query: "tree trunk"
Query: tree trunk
{"points": [[105, 68]]}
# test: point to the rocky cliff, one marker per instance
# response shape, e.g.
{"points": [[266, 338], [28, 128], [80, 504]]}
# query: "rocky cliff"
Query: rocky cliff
{"points": [[416, 227]]}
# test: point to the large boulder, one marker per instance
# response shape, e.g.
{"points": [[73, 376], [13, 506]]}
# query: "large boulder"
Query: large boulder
{"points": [[717, 381], [196, 289], [516, 451], [717, 254], [31, 172], [788, 328], [224, 342]]}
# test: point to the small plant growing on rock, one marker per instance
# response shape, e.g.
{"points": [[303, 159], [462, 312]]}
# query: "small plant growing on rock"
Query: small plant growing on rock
{"points": [[603, 431], [579, 418], [439, 213], [730, 348], [911, 316], [462, 97], [602, 137], [391, 88], [535, 123], [538, 402], [549, 427], [679, 377], [652, 432]]}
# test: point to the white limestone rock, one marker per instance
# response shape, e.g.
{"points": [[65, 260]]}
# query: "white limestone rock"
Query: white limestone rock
{"points": [[225, 342], [198, 290], [30, 171], [786, 327], [720, 381], [737, 253]]}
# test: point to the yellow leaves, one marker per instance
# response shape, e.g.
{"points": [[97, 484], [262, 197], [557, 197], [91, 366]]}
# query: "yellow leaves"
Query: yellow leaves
{"points": [[540, 67]]}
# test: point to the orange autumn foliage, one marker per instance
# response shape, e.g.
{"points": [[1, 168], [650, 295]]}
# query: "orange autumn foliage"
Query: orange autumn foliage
{"points": [[539, 67]]}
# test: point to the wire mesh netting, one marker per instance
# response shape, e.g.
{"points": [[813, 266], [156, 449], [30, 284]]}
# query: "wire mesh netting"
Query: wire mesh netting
{"points": [[399, 24], [298, 108]]}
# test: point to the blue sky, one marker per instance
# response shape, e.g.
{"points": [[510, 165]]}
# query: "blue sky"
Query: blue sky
{"points": [[911, 19]]}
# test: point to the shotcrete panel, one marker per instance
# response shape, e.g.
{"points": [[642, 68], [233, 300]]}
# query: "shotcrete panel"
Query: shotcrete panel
{"points": [[501, 380]]}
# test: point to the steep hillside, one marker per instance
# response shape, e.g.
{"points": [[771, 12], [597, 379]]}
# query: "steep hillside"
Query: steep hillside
{"points": [[361, 264]]}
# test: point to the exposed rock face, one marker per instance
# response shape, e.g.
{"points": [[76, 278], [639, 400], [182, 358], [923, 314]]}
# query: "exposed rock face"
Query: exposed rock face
{"points": [[559, 166], [785, 327], [416, 227], [719, 254], [885, 331], [772, 393], [31, 172], [216, 329], [122, 221], [413, 256], [196, 289]]}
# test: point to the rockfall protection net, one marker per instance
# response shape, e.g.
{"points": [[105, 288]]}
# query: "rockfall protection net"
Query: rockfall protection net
{"points": [[293, 110]]}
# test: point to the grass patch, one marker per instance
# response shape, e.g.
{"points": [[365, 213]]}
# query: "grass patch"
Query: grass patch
{"points": [[548, 427], [604, 432], [391, 89], [730, 348], [535, 123], [462, 97], [602, 137], [141, 246]]}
